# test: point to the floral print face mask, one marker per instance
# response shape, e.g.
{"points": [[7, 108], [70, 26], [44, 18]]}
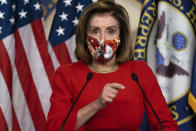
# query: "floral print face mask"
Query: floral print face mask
{"points": [[102, 50]]}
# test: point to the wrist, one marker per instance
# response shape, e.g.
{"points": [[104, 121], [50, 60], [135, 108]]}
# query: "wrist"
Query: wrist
{"points": [[98, 104]]}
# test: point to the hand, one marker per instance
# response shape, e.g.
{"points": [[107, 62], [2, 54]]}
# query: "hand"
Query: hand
{"points": [[109, 92]]}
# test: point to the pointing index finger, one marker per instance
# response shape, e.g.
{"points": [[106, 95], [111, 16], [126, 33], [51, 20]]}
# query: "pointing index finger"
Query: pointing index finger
{"points": [[116, 86]]}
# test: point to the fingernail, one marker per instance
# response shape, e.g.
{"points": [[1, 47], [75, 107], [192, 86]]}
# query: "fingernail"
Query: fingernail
{"points": [[123, 87]]}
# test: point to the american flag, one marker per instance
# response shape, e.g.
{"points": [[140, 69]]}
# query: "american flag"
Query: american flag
{"points": [[62, 35], [26, 68]]}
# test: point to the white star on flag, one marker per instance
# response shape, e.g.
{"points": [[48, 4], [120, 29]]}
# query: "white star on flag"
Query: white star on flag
{"points": [[12, 20], [94, 0], [75, 21], [0, 29], [67, 2], [63, 16], [37, 6], [14, 7], [60, 31], [79, 7], [26, 2], [3, 2], [1, 15], [22, 14]]}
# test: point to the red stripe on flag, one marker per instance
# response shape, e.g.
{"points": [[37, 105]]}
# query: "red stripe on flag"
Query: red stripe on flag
{"points": [[15, 124], [62, 54], [5, 67], [38, 31], [3, 124], [6, 70], [28, 86]]}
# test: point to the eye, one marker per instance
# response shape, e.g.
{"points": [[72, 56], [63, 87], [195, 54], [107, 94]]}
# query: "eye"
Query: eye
{"points": [[94, 31], [111, 31]]}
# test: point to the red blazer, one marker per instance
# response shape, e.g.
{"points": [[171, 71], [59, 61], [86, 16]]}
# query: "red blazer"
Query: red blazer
{"points": [[125, 113]]}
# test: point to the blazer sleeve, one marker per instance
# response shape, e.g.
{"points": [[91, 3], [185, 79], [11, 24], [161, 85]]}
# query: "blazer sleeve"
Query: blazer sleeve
{"points": [[157, 100], [61, 102]]}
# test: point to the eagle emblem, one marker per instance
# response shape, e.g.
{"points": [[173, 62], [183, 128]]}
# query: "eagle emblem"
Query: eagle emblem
{"points": [[165, 60]]}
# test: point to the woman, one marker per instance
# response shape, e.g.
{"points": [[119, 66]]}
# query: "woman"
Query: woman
{"points": [[111, 101]]}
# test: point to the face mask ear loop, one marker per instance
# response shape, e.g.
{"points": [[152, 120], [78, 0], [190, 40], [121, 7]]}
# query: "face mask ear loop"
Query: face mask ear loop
{"points": [[117, 40]]}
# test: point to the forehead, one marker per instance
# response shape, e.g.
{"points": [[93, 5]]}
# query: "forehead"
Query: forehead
{"points": [[102, 20]]}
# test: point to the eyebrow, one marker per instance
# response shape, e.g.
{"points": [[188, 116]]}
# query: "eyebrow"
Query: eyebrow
{"points": [[90, 27]]}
